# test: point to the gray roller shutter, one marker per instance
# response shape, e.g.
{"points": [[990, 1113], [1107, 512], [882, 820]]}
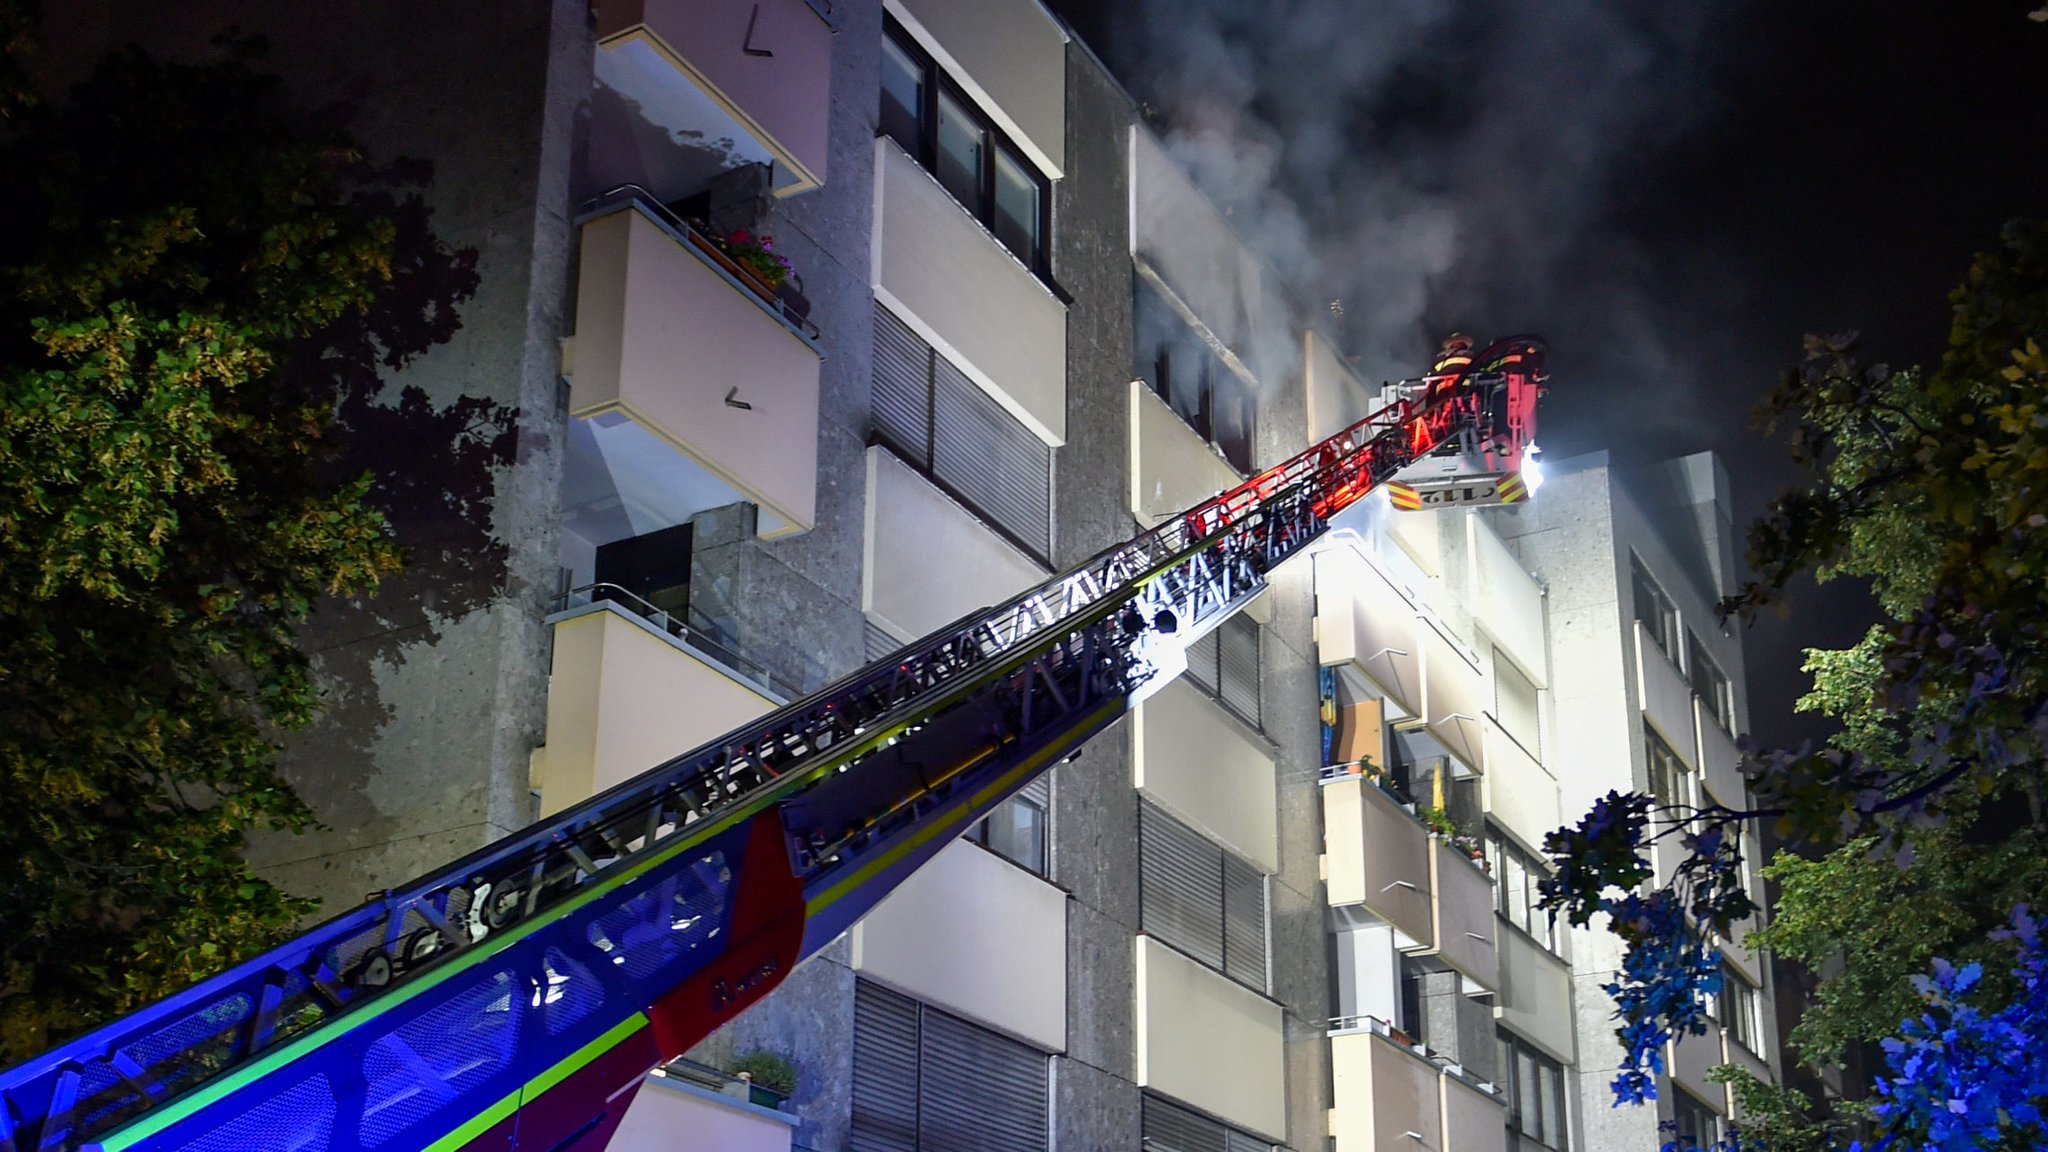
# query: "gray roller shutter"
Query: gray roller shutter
{"points": [[1244, 922], [1171, 1128], [1238, 666], [884, 1071], [1180, 886], [979, 1091], [902, 396], [1202, 660], [924, 1081], [877, 641], [946, 426], [1200, 899], [1001, 467]]}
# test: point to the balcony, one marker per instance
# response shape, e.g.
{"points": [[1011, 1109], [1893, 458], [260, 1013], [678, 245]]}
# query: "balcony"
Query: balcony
{"points": [[689, 389], [1507, 601], [1520, 792], [1461, 915], [1454, 695], [1362, 619], [715, 1110], [630, 688], [687, 89], [1394, 1095], [1720, 760], [1692, 1057], [1535, 992], [1438, 899], [1379, 856]]}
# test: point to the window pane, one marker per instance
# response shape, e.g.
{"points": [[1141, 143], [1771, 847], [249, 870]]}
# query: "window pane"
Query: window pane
{"points": [[1017, 208], [1234, 409], [1515, 887], [903, 83], [961, 142], [1527, 1094], [1016, 831], [1654, 610], [1553, 1105]]}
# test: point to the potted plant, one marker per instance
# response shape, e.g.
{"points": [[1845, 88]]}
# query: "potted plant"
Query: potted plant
{"points": [[770, 1078], [757, 260]]}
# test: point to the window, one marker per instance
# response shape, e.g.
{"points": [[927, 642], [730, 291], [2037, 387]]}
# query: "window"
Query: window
{"points": [[1655, 612], [936, 122], [944, 425], [1696, 1124], [654, 567], [1225, 664], [1738, 1010], [1186, 372], [1670, 781], [1709, 683], [1516, 875], [924, 1080], [1016, 829], [1200, 899], [1171, 1128], [1534, 1084], [1515, 705], [904, 80]]}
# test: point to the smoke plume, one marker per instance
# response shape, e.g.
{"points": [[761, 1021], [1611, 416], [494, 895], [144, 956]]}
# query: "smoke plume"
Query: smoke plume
{"points": [[1435, 166]]}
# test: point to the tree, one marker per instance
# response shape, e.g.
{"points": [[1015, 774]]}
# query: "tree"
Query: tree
{"points": [[1917, 832], [202, 278]]}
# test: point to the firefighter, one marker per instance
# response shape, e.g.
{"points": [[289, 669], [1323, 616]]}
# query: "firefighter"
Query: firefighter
{"points": [[1455, 357]]}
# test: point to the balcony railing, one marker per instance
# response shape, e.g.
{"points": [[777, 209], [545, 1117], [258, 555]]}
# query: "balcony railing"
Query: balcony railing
{"points": [[1348, 1025], [724, 1083], [786, 307], [697, 633]]}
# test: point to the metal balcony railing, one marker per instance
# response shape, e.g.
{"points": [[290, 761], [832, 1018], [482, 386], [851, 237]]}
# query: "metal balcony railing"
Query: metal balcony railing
{"points": [[1350, 1025], [697, 633], [700, 244]]}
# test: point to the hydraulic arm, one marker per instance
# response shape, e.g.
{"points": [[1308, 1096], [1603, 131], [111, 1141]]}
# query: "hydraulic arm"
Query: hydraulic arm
{"points": [[515, 998]]}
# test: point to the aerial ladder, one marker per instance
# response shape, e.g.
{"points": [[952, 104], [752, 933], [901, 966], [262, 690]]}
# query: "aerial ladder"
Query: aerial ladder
{"points": [[516, 998]]}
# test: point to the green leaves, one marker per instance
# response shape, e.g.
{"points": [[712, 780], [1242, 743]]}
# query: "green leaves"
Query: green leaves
{"points": [[1923, 824], [199, 278]]}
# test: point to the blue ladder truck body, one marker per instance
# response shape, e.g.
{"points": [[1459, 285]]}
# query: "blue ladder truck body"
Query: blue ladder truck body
{"points": [[516, 998]]}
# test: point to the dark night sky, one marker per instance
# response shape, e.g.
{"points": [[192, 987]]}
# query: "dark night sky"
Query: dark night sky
{"points": [[1672, 197]]}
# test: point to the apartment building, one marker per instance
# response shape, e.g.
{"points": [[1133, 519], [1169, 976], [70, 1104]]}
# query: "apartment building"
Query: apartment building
{"points": [[1496, 671], [1289, 902]]}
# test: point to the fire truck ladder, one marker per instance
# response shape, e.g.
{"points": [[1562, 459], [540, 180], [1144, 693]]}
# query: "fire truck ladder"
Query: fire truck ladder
{"points": [[517, 997]]}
